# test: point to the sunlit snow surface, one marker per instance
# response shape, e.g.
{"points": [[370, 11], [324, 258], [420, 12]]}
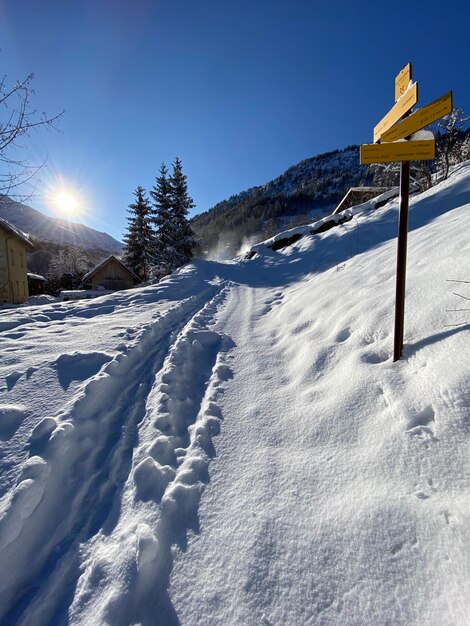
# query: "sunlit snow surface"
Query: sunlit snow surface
{"points": [[235, 446]]}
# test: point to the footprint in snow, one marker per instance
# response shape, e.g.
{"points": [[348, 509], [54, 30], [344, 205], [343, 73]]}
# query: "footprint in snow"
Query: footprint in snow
{"points": [[423, 418], [343, 335], [14, 335], [299, 328], [12, 379], [40, 436], [11, 416], [449, 519], [420, 425], [151, 479], [421, 495], [375, 358], [78, 366]]}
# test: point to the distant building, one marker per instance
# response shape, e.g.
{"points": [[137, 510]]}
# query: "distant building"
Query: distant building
{"points": [[112, 274], [13, 278], [359, 195], [36, 284]]}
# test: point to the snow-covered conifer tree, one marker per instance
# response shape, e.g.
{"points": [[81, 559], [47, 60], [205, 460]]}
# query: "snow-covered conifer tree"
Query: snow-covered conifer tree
{"points": [[184, 238], [162, 218], [139, 240]]}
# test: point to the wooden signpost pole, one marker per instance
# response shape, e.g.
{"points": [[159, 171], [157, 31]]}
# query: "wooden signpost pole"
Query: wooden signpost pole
{"points": [[401, 259], [389, 133], [402, 251]]}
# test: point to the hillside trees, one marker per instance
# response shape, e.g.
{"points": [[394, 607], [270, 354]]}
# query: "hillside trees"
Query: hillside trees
{"points": [[66, 270], [453, 144]]}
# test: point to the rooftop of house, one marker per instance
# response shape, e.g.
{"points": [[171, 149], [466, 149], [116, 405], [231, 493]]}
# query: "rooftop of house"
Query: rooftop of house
{"points": [[16, 232]]}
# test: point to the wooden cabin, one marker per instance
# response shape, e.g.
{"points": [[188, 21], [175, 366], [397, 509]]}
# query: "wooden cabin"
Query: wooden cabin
{"points": [[112, 274], [13, 277]]}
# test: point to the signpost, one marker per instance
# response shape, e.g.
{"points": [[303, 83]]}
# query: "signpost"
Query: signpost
{"points": [[399, 151], [402, 81], [394, 132], [402, 106], [420, 118]]}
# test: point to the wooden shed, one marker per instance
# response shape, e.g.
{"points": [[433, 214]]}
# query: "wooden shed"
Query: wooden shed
{"points": [[111, 273]]}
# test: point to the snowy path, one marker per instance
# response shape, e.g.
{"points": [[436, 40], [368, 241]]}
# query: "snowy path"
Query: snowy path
{"points": [[77, 475], [234, 446]]}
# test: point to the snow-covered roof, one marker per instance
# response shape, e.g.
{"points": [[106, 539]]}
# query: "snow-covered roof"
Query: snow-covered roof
{"points": [[102, 263], [366, 193], [16, 232], [35, 276]]}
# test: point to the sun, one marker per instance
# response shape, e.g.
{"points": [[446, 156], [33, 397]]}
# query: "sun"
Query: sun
{"points": [[66, 202]]}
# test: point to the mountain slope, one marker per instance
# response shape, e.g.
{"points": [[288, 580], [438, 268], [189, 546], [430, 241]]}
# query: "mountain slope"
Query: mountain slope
{"points": [[56, 230], [312, 187], [233, 445]]}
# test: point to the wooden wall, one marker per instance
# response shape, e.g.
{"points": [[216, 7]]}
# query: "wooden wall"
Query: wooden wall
{"points": [[112, 276]]}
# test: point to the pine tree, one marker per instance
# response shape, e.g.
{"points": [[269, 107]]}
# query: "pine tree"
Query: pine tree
{"points": [[184, 238], [162, 218], [140, 239]]}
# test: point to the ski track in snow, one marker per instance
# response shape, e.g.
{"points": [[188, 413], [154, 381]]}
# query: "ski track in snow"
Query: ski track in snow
{"points": [[80, 462]]}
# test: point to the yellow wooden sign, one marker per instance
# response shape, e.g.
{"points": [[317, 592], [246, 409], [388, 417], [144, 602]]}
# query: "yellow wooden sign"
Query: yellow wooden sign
{"points": [[419, 119], [402, 81], [398, 151], [398, 110]]}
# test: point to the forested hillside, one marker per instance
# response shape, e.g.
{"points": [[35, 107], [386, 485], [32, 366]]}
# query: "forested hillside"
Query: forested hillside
{"points": [[311, 188]]}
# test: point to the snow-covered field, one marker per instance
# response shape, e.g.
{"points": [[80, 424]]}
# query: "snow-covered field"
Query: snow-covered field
{"points": [[235, 446]]}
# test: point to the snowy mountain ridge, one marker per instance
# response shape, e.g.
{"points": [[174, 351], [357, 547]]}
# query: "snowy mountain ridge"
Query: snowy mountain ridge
{"points": [[56, 230], [234, 445], [307, 176]]}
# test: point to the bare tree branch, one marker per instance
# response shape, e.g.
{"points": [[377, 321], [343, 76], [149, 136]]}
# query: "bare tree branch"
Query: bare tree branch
{"points": [[19, 119]]}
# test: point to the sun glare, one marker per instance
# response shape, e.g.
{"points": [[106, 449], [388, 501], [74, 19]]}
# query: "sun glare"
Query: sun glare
{"points": [[66, 202]]}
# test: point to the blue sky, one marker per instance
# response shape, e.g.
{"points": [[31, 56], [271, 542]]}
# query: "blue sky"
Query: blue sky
{"points": [[238, 89]]}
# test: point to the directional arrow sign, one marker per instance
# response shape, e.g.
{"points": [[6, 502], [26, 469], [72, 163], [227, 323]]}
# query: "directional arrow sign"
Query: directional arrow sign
{"points": [[403, 105], [398, 151], [421, 118], [402, 81]]}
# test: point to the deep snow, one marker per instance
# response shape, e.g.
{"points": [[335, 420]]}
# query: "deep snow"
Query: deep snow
{"points": [[234, 444]]}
